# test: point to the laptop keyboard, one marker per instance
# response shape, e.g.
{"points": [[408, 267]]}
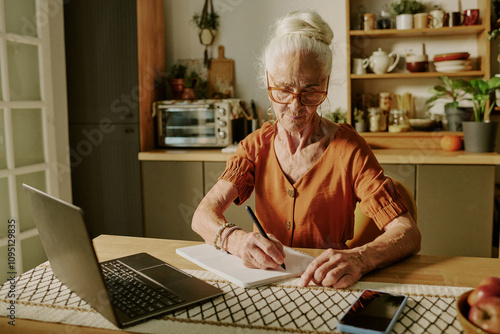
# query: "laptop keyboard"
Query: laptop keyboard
{"points": [[133, 296]]}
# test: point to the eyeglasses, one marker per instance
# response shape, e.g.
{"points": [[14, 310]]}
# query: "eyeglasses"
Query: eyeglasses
{"points": [[284, 96]]}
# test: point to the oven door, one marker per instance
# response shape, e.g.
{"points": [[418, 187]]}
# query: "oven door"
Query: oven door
{"points": [[188, 126]]}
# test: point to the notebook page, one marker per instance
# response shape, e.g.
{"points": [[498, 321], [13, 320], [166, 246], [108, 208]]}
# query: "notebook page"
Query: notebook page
{"points": [[231, 267]]}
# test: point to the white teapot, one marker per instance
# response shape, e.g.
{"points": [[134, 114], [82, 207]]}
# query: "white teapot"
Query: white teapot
{"points": [[380, 61]]}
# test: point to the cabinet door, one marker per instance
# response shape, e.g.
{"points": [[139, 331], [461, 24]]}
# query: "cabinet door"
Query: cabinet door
{"points": [[403, 173], [101, 57], [455, 212], [235, 214], [171, 193], [106, 177]]}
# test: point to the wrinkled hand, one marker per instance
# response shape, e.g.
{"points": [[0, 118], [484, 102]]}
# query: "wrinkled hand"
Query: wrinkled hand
{"points": [[335, 268], [258, 252]]}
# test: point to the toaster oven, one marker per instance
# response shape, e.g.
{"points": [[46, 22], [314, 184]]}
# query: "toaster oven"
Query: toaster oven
{"points": [[201, 123]]}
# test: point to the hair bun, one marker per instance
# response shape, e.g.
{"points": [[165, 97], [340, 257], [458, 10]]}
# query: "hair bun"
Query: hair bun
{"points": [[305, 23]]}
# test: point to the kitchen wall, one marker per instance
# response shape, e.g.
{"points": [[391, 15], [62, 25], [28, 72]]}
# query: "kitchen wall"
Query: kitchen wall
{"points": [[244, 27]]}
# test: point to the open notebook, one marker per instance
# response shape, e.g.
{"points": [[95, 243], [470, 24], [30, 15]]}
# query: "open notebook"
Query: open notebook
{"points": [[231, 267]]}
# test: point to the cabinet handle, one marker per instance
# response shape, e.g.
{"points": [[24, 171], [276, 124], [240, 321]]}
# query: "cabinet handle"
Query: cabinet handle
{"points": [[129, 130]]}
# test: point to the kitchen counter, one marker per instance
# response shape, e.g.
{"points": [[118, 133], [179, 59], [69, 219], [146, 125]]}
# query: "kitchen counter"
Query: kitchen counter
{"points": [[384, 156]]}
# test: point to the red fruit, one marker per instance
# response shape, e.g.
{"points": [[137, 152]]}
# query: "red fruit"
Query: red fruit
{"points": [[483, 291], [490, 280], [486, 314], [451, 143], [489, 286]]}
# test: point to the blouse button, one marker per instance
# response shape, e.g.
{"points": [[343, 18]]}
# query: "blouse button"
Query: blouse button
{"points": [[290, 192], [288, 224]]}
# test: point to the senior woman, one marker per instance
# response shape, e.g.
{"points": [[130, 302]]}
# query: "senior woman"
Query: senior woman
{"points": [[308, 173]]}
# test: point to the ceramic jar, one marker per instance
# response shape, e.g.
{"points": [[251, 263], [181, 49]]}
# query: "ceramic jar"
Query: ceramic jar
{"points": [[381, 62]]}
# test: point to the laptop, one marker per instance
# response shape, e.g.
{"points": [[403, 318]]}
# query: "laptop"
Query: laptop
{"points": [[126, 290]]}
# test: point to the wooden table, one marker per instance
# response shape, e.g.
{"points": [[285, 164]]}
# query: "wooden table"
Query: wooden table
{"points": [[418, 269]]}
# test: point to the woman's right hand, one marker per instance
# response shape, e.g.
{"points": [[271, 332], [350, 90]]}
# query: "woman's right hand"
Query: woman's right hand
{"points": [[258, 252]]}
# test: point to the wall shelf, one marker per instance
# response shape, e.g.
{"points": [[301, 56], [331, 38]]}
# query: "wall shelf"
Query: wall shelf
{"points": [[405, 75], [445, 31]]}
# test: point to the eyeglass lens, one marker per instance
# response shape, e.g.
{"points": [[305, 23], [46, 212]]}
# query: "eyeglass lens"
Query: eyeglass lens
{"points": [[306, 98]]}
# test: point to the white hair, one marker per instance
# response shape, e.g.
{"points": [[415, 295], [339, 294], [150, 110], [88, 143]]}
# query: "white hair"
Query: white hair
{"points": [[300, 32]]}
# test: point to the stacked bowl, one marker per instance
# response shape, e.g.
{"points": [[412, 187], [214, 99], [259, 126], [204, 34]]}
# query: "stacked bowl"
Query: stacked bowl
{"points": [[452, 62]]}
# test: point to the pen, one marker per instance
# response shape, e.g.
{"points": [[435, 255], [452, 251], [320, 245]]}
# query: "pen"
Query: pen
{"points": [[259, 227]]}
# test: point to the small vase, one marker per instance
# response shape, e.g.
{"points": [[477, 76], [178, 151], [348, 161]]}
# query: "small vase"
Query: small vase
{"points": [[177, 86], [360, 127], [188, 94], [455, 117], [479, 136]]}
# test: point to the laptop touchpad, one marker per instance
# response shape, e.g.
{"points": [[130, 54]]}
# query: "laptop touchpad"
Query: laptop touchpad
{"points": [[164, 274]]}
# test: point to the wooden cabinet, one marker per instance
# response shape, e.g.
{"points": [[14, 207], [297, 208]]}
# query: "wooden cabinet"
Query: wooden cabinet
{"points": [[171, 193], [404, 173], [361, 44], [455, 209], [454, 206]]}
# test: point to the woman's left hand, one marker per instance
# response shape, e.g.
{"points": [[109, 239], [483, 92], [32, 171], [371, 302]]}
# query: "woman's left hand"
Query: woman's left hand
{"points": [[335, 268]]}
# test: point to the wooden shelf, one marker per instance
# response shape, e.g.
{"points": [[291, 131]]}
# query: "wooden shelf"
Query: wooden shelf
{"points": [[404, 75], [446, 31]]}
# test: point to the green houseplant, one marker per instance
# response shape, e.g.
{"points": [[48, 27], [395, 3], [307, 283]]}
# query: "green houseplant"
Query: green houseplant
{"points": [[359, 120], [451, 89], [338, 115], [479, 91], [404, 10], [407, 7], [189, 84], [176, 79], [480, 134]]}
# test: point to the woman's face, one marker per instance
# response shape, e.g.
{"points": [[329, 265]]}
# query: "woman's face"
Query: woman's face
{"points": [[297, 73]]}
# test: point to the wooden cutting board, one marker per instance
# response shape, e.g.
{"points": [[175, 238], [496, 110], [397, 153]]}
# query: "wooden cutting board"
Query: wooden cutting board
{"points": [[221, 75]]}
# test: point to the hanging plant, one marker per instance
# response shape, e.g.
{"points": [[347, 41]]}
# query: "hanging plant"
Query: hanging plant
{"points": [[207, 23]]}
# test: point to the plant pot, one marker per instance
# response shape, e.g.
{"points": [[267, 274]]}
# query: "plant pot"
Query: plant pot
{"points": [[480, 136], [360, 126], [404, 21], [177, 86], [188, 94], [455, 117]]}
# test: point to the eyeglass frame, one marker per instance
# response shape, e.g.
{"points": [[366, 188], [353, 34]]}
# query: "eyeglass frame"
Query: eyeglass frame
{"points": [[295, 95]]}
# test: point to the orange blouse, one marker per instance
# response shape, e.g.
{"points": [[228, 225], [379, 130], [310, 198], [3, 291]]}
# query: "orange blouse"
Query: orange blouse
{"points": [[318, 210]]}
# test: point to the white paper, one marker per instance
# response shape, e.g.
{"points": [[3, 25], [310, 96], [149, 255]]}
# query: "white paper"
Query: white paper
{"points": [[231, 267]]}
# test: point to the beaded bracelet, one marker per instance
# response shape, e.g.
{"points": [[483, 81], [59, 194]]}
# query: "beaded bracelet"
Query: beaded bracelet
{"points": [[234, 228], [219, 232]]}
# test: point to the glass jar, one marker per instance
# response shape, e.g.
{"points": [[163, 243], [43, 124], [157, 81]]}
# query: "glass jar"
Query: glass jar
{"points": [[378, 121], [398, 121]]}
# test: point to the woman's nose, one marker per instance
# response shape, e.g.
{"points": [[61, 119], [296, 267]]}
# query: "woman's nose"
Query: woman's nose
{"points": [[296, 104]]}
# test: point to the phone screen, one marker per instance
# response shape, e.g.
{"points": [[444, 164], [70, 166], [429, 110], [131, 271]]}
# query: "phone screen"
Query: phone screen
{"points": [[373, 312]]}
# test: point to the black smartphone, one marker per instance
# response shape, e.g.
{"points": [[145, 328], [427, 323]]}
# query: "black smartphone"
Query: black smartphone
{"points": [[373, 312]]}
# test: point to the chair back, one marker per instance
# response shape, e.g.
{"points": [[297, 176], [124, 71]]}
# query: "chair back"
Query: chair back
{"points": [[365, 229]]}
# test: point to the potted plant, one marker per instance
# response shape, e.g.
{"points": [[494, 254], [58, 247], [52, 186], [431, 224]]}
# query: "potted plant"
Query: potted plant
{"points": [[480, 134], [451, 89], [359, 120], [338, 115], [207, 23], [404, 10], [189, 84], [176, 79]]}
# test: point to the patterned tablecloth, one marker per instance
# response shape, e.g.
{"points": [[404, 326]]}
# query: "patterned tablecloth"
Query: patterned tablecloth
{"points": [[279, 307]]}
